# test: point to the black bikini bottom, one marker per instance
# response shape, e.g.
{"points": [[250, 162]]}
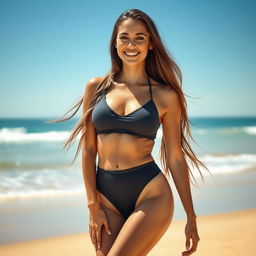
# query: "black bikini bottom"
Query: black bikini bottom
{"points": [[123, 187]]}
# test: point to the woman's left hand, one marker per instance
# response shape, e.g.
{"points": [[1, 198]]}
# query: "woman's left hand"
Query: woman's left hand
{"points": [[191, 233]]}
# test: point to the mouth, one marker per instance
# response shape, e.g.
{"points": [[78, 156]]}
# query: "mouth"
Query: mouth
{"points": [[132, 54]]}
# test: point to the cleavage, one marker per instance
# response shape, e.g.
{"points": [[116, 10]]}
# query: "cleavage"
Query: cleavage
{"points": [[131, 103]]}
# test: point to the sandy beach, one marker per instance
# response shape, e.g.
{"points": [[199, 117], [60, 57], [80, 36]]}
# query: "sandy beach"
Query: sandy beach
{"points": [[232, 233]]}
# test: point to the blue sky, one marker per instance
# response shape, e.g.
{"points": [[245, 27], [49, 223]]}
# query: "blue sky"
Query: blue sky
{"points": [[49, 49]]}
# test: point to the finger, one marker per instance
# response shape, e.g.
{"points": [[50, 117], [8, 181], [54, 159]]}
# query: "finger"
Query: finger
{"points": [[193, 248], [98, 237], [195, 243], [93, 238], [106, 226], [91, 234], [187, 244]]}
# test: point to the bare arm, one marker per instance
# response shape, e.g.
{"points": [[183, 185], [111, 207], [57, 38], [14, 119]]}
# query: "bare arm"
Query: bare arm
{"points": [[89, 153], [176, 161], [89, 148], [178, 165]]}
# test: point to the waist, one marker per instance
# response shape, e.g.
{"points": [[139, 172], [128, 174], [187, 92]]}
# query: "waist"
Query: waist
{"points": [[123, 149], [135, 168], [127, 131]]}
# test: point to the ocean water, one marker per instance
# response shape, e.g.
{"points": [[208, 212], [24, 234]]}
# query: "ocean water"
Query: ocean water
{"points": [[38, 182], [33, 162]]}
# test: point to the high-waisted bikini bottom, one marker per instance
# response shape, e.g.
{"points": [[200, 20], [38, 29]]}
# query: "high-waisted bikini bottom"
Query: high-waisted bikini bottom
{"points": [[123, 187]]}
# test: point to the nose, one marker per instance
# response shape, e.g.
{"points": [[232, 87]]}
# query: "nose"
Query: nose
{"points": [[131, 42]]}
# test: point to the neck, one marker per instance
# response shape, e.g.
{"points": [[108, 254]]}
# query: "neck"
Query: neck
{"points": [[133, 74]]}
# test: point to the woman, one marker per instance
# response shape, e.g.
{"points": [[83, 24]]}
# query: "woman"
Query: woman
{"points": [[128, 196]]}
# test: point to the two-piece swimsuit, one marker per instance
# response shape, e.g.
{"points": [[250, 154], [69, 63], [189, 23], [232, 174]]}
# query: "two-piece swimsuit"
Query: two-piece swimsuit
{"points": [[123, 187]]}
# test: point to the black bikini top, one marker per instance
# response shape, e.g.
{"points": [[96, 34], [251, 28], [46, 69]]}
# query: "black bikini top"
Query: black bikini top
{"points": [[142, 122]]}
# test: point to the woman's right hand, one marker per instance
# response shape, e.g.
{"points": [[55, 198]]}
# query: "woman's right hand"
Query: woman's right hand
{"points": [[96, 220]]}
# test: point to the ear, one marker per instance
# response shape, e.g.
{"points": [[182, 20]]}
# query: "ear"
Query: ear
{"points": [[150, 47]]}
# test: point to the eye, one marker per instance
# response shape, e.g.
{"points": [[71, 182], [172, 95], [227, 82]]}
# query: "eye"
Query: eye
{"points": [[123, 37], [140, 38], [126, 38]]}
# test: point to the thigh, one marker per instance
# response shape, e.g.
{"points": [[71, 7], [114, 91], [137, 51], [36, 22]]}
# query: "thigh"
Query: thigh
{"points": [[115, 222], [144, 227]]}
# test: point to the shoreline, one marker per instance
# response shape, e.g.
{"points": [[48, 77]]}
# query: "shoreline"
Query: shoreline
{"points": [[220, 235]]}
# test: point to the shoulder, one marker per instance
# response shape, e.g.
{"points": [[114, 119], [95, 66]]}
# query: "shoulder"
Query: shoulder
{"points": [[92, 83], [91, 86], [170, 97], [166, 97], [90, 89]]}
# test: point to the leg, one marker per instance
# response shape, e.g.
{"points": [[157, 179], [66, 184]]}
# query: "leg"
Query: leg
{"points": [[116, 222], [148, 222]]}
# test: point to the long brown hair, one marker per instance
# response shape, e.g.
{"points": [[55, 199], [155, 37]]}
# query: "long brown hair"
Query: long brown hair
{"points": [[162, 68]]}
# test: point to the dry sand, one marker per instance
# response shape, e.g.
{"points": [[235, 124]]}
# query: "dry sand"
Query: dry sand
{"points": [[221, 234]]}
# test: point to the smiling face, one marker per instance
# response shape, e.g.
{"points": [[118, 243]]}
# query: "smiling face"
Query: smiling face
{"points": [[132, 42]]}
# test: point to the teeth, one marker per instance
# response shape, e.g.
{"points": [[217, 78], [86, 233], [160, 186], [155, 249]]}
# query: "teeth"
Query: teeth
{"points": [[131, 53]]}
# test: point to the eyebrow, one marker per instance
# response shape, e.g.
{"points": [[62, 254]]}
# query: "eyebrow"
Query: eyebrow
{"points": [[124, 33]]}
